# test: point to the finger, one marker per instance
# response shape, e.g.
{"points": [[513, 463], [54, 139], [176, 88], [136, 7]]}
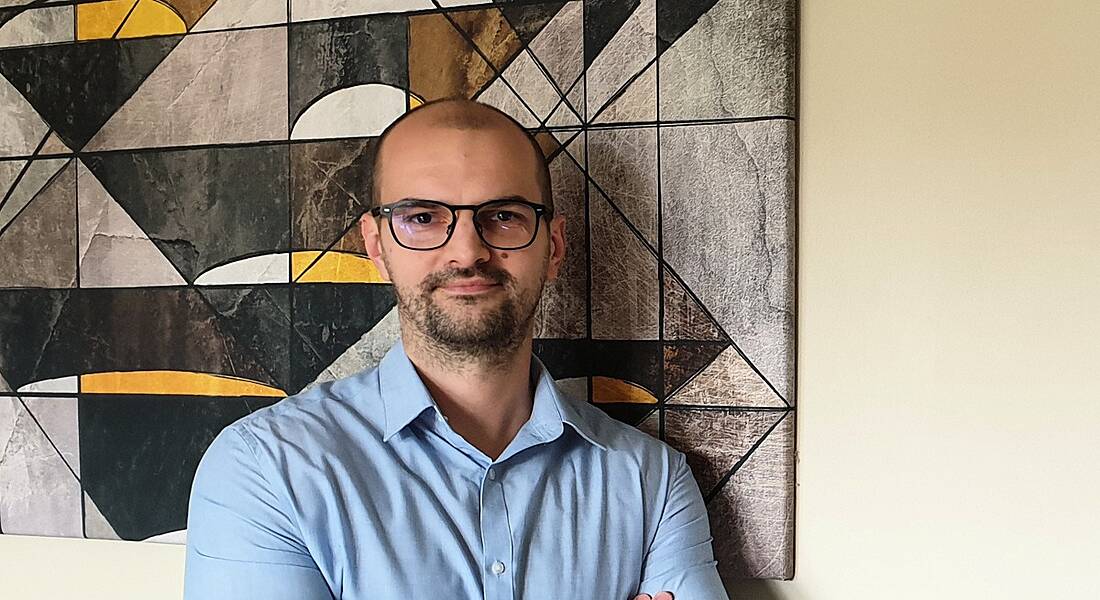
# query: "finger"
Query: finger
{"points": [[664, 596], [643, 597]]}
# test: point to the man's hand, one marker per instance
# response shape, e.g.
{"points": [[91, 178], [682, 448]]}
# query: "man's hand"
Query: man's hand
{"points": [[661, 596]]}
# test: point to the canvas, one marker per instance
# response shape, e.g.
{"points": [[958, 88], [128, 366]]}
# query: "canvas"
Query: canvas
{"points": [[181, 182]]}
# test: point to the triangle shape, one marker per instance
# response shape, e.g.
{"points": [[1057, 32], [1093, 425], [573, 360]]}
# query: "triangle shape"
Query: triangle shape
{"points": [[684, 361], [685, 318], [728, 381], [531, 84], [716, 441], [602, 25], [499, 95], [33, 178], [564, 116], [528, 20], [623, 164], [235, 14], [40, 243], [114, 251], [637, 102], [58, 420], [23, 127], [442, 62], [96, 525], [558, 47], [77, 87], [54, 146], [624, 276], [673, 19], [631, 414]]}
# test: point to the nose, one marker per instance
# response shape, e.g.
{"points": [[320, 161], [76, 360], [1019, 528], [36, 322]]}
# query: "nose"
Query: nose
{"points": [[465, 246]]}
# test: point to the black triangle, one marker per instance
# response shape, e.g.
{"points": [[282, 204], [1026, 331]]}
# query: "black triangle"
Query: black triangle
{"points": [[684, 360], [602, 20], [529, 19], [77, 87], [675, 18]]}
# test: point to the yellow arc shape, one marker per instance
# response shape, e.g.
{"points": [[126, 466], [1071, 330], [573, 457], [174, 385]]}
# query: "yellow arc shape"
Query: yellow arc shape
{"points": [[610, 389], [100, 20], [184, 383], [333, 267]]}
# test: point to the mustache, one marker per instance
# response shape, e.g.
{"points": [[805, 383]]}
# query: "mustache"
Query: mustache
{"points": [[443, 278]]}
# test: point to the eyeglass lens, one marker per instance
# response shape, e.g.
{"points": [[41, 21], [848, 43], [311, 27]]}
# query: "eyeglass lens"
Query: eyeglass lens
{"points": [[503, 224]]}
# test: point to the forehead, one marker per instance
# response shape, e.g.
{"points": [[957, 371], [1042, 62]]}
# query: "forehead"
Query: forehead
{"points": [[457, 165]]}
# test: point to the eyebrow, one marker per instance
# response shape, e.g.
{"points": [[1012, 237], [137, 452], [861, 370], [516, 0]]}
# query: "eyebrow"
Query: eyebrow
{"points": [[512, 197]]}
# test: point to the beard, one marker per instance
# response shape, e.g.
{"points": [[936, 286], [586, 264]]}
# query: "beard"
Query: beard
{"points": [[478, 328]]}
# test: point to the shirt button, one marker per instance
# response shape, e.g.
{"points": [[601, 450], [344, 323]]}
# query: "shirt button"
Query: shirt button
{"points": [[492, 474], [498, 567]]}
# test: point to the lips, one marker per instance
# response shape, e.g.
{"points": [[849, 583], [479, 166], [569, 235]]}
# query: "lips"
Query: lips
{"points": [[470, 285]]}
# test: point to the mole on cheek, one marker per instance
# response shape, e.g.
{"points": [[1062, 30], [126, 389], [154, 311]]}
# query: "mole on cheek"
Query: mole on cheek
{"points": [[503, 255]]}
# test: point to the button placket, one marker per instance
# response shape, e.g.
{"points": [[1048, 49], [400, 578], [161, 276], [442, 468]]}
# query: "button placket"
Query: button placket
{"points": [[497, 538]]}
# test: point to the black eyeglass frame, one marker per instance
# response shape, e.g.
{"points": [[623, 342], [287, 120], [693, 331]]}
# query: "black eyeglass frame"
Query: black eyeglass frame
{"points": [[540, 211]]}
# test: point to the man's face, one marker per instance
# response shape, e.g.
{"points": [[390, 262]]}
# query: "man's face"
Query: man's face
{"points": [[463, 167]]}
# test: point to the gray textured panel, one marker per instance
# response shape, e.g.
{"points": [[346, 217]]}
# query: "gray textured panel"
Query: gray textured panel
{"points": [[38, 248], [623, 163], [561, 313], [624, 277], [738, 60], [727, 194]]}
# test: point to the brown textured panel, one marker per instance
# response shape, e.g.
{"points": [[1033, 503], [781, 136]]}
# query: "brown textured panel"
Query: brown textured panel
{"points": [[624, 164], [752, 516], [38, 247], [624, 277], [330, 186], [442, 63], [728, 381], [192, 10]]}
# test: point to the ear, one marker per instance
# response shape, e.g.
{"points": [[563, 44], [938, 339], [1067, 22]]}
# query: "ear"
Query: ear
{"points": [[372, 239], [557, 246]]}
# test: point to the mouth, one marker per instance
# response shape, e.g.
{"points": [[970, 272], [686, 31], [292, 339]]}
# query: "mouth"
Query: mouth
{"points": [[467, 288]]}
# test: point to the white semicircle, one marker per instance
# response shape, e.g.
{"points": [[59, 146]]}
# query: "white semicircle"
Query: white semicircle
{"points": [[357, 111], [266, 268]]}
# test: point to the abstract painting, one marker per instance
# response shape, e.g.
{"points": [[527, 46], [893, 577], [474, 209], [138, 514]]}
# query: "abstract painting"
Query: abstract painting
{"points": [[180, 183]]}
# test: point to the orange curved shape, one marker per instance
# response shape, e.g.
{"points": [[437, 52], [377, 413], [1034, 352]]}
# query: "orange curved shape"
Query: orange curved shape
{"points": [[314, 266], [126, 19], [610, 389], [184, 383]]}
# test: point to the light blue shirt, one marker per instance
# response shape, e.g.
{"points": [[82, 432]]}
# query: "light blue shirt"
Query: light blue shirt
{"points": [[359, 489]]}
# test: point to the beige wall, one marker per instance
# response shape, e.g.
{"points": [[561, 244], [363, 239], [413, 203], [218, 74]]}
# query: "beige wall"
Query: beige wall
{"points": [[949, 363]]}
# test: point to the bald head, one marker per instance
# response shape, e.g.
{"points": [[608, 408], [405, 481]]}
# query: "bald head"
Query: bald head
{"points": [[460, 114]]}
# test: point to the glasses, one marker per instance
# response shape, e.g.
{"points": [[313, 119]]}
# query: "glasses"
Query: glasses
{"points": [[507, 224]]}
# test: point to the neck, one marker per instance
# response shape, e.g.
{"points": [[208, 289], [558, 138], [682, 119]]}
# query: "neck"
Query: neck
{"points": [[486, 399]]}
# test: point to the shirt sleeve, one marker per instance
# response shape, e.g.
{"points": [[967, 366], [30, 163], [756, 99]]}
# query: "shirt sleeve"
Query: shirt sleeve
{"points": [[680, 559], [241, 544]]}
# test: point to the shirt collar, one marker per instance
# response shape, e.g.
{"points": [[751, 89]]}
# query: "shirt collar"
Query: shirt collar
{"points": [[405, 397]]}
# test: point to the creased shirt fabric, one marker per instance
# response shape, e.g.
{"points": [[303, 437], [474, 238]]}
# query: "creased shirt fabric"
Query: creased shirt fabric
{"points": [[359, 489]]}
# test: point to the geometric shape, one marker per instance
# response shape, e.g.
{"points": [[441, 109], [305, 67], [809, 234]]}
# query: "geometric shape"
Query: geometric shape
{"points": [[529, 19], [114, 251], [602, 20], [328, 319], [330, 188], [151, 383], [56, 418], [636, 103], [252, 270], [309, 10], [715, 440], [329, 55], [77, 87], [95, 524], [528, 82], [237, 14], [366, 353], [559, 47], [312, 266], [342, 113], [752, 516], [627, 54], [202, 207], [684, 360], [35, 176], [727, 381], [685, 318], [39, 493], [109, 329], [47, 25], [258, 318], [637, 362], [736, 254], [674, 18], [630, 413], [123, 466], [60, 385], [444, 62], [624, 165], [750, 65], [214, 88], [54, 145], [27, 319], [610, 389], [624, 277], [501, 96], [38, 248], [126, 19], [22, 126], [562, 311]]}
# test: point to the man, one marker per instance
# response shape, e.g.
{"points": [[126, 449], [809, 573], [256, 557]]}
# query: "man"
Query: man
{"points": [[456, 468]]}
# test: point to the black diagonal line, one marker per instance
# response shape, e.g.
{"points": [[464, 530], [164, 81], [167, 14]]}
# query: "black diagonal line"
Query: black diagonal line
{"points": [[26, 206], [329, 247], [26, 167], [725, 478], [621, 91], [48, 439], [124, 19]]}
